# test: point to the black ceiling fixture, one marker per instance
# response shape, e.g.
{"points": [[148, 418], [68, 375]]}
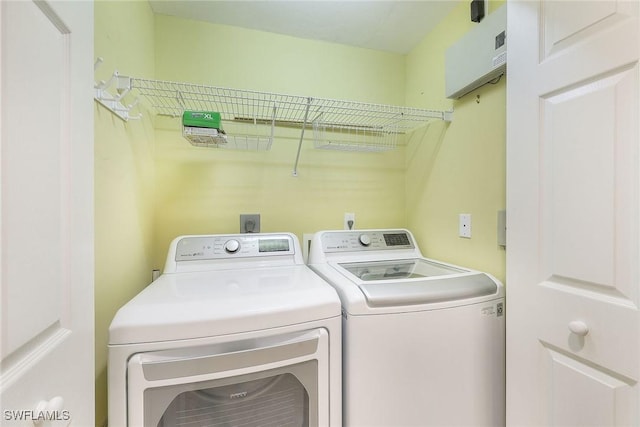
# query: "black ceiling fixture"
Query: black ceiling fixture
{"points": [[477, 10]]}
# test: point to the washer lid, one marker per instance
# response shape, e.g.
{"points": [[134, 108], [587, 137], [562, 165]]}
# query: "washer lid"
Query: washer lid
{"points": [[204, 304], [416, 281]]}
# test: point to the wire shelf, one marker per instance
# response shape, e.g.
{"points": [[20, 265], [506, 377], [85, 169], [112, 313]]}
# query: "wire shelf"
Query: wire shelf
{"points": [[337, 124], [171, 99], [353, 138], [211, 138]]}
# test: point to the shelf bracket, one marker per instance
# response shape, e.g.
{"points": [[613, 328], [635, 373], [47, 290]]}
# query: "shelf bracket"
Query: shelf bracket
{"points": [[447, 116], [304, 125], [114, 102]]}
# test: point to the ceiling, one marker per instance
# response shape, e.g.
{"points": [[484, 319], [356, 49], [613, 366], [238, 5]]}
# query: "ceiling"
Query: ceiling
{"points": [[386, 25]]}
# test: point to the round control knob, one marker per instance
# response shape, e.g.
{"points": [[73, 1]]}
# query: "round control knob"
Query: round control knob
{"points": [[232, 246], [364, 240]]}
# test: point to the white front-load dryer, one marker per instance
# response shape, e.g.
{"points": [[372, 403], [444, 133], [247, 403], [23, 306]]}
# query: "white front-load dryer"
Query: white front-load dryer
{"points": [[236, 331], [423, 340]]}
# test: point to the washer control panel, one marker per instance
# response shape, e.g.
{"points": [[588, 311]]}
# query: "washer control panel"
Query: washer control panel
{"points": [[198, 248], [349, 241]]}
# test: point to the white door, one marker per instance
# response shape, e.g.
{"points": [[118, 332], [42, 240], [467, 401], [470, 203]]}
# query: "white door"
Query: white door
{"points": [[573, 205], [46, 212]]}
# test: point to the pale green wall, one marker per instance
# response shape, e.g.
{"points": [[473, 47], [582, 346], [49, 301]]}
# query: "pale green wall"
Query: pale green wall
{"points": [[205, 190], [124, 177], [221, 55], [458, 167]]}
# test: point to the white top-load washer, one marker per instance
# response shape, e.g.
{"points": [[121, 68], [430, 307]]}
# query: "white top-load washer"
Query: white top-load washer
{"points": [[423, 341], [236, 331]]}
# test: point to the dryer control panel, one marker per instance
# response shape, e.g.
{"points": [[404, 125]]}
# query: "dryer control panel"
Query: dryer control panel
{"points": [[200, 248], [364, 240]]}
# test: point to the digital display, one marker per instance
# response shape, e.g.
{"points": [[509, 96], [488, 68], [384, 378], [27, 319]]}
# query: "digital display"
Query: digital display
{"points": [[397, 239], [273, 245]]}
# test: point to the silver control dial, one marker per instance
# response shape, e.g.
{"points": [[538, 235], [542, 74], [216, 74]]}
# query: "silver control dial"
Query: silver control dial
{"points": [[364, 239], [232, 246]]}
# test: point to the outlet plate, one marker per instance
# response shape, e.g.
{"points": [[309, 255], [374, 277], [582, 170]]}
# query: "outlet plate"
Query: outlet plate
{"points": [[502, 228], [465, 226], [249, 223], [348, 216]]}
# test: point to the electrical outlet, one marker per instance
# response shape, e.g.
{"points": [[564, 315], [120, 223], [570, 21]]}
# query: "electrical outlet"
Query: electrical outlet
{"points": [[249, 223], [465, 226], [349, 221]]}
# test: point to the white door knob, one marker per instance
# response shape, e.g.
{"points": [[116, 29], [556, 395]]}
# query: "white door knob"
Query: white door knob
{"points": [[48, 410], [579, 328]]}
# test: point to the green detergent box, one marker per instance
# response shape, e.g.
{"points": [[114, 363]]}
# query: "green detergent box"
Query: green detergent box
{"points": [[202, 119]]}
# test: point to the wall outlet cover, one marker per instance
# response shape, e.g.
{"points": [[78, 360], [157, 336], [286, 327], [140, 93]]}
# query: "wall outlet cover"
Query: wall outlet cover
{"points": [[465, 226], [349, 221], [249, 223]]}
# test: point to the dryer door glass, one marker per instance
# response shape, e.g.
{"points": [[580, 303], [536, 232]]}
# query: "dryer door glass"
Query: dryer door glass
{"points": [[278, 400]]}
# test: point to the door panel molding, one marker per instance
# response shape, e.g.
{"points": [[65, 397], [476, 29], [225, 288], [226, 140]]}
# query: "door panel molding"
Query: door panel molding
{"points": [[588, 183], [573, 381], [26, 357], [578, 25]]}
